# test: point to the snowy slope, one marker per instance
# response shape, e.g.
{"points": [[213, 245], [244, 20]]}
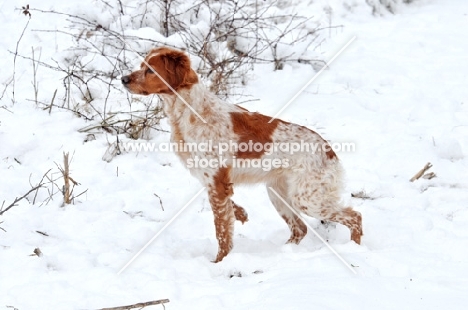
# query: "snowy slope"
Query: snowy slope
{"points": [[399, 92]]}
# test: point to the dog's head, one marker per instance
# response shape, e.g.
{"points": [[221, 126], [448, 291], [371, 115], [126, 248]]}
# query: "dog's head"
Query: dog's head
{"points": [[163, 71]]}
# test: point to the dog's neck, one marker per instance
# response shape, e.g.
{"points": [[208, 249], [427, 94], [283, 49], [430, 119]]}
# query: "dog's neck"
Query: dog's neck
{"points": [[194, 98]]}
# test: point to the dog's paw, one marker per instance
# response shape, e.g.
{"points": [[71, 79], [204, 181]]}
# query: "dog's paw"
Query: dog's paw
{"points": [[240, 213]]}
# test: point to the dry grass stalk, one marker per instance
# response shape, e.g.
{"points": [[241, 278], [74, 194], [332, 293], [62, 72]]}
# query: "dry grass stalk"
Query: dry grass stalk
{"points": [[421, 172], [67, 179]]}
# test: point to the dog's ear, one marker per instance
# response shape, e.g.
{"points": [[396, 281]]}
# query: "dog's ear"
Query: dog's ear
{"points": [[174, 67]]}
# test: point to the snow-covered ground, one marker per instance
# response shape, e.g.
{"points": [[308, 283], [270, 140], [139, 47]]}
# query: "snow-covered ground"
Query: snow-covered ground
{"points": [[399, 92]]}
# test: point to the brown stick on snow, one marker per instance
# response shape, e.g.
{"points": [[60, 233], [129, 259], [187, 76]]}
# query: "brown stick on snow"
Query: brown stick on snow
{"points": [[421, 172], [66, 179], [140, 305]]}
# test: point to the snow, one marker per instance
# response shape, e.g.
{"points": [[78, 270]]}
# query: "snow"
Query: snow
{"points": [[398, 92]]}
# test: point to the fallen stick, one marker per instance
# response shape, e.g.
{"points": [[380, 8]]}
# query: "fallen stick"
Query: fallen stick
{"points": [[140, 305], [421, 172]]}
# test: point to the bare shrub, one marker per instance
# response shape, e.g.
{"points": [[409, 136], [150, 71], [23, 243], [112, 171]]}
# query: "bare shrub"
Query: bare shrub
{"points": [[224, 38]]}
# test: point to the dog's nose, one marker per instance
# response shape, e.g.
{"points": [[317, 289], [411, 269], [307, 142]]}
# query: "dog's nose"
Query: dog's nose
{"points": [[125, 79]]}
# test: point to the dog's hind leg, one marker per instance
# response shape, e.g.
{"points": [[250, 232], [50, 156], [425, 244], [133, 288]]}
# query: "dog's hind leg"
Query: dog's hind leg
{"points": [[320, 198], [296, 225], [351, 219]]}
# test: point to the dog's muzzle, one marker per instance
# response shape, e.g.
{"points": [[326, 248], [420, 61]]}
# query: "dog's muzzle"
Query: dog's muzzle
{"points": [[125, 79]]}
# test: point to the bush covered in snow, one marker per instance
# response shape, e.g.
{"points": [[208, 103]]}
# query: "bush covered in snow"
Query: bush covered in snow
{"points": [[224, 39]]}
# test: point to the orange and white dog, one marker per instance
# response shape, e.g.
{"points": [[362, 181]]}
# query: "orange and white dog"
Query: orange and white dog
{"points": [[309, 182]]}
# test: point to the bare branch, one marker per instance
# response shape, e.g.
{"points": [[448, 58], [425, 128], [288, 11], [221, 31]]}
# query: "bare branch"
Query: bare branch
{"points": [[139, 305], [18, 199], [16, 54], [160, 201], [238, 35]]}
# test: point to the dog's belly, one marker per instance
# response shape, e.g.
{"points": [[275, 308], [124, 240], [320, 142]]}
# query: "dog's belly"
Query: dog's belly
{"points": [[243, 175]]}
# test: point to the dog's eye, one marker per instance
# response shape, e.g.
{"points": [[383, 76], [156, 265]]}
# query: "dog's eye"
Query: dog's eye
{"points": [[149, 71]]}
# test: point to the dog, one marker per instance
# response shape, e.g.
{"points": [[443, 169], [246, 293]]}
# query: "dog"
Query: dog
{"points": [[298, 182]]}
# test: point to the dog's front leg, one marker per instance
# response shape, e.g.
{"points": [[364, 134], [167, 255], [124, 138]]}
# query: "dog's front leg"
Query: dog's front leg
{"points": [[220, 192]]}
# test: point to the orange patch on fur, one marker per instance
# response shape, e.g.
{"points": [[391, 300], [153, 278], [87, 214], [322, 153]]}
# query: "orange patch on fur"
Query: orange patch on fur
{"points": [[330, 153], [253, 128]]}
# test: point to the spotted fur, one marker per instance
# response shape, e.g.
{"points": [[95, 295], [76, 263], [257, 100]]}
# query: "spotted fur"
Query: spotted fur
{"points": [[310, 183]]}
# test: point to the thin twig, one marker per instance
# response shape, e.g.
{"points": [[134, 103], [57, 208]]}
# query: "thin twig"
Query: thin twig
{"points": [[160, 201], [16, 54], [52, 101], [83, 192], [18, 199], [35, 83], [4, 91]]}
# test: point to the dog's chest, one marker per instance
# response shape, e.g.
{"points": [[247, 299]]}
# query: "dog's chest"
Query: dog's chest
{"points": [[197, 139]]}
